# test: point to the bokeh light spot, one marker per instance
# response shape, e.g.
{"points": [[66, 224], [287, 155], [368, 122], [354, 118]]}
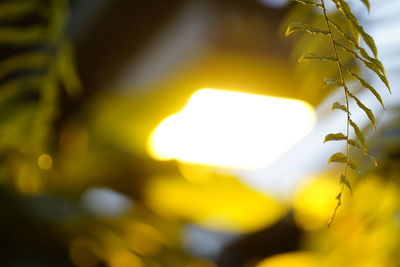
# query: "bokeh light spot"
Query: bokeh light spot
{"points": [[232, 130], [45, 161]]}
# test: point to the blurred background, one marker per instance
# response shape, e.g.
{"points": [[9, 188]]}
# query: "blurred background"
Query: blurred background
{"points": [[184, 133]]}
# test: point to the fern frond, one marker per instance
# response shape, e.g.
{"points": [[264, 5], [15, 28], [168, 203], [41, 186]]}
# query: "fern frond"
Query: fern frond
{"points": [[344, 8], [366, 85]]}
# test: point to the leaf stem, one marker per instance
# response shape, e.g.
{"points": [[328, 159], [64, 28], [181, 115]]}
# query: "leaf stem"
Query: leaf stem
{"points": [[346, 94]]}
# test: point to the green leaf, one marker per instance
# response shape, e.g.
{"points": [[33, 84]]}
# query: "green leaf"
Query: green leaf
{"points": [[17, 86], [345, 181], [344, 8], [372, 63], [367, 4], [308, 3], [337, 105], [294, 27], [335, 137], [22, 36], [31, 60], [15, 9], [369, 112], [312, 56], [366, 85], [359, 135], [338, 158], [332, 82], [66, 71], [381, 76]]}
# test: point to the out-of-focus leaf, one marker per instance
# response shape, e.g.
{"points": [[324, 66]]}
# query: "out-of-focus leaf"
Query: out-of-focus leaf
{"points": [[335, 137], [22, 36], [294, 27], [31, 60], [66, 71], [15, 9]]}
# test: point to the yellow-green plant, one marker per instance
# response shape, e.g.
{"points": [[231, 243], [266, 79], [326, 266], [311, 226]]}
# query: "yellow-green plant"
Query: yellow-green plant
{"points": [[343, 32], [35, 63]]}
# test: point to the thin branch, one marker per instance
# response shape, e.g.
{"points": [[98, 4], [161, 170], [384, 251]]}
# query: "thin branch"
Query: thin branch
{"points": [[346, 94]]}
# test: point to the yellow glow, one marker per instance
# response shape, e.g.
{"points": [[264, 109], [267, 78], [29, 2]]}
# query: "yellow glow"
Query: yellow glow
{"points": [[45, 161], [314, 202], [125, 258], [144, 239], [221, 204], [28, 181], [232, 129], [292, 259]]}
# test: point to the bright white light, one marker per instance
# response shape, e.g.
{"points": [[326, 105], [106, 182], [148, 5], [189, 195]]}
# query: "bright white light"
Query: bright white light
{"points": [[104, 202], [232, 130]]}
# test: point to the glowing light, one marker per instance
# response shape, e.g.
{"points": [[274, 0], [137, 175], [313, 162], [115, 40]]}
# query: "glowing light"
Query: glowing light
{"points": [[292, 259], [231, 129], [222, 204], [45, 162], [125, 258]]}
